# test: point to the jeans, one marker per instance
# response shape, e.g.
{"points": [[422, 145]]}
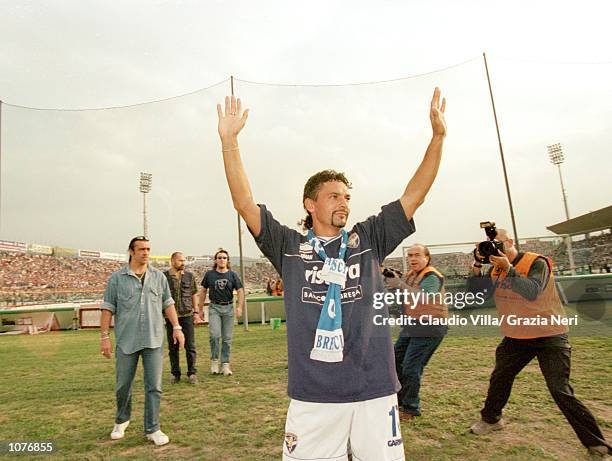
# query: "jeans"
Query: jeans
{"points": [[125, 365], [554, 357], [190, 347], [221, 325], [411, 356]]}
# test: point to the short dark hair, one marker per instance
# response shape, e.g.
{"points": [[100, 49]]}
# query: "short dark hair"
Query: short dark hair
{"points": [[140, 238], [312, 187]]}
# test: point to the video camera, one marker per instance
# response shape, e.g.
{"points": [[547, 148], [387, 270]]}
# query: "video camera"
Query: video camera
{"points": [[488, 247]]}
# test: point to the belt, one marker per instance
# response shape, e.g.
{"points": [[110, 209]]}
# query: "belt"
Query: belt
{"points": [[223, 304]]}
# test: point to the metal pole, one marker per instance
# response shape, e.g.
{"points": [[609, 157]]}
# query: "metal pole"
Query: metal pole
{"points": [[145, 188], [555, 153], [570, 254], [245, 314], [501, 153], [0, 165], [263, 313], [567, 215], [145, 230], [568, 239]]}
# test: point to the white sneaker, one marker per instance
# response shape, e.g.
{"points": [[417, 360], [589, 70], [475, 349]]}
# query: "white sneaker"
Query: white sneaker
{"points": [[119, 430], [214, 367], [226, 369], [158, 438]]}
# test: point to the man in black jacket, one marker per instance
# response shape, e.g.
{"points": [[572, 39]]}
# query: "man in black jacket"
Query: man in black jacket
{"points": [[184, 291]]}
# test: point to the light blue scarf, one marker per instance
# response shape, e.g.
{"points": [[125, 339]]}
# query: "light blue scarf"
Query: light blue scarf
{"points": [[329, 340]]}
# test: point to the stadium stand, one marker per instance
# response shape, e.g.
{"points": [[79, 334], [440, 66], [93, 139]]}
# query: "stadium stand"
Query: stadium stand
{"points": [[27, 277], [33, 278]]}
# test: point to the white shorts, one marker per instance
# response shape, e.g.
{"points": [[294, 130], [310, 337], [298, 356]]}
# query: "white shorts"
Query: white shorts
{"points": [[323, 431]]}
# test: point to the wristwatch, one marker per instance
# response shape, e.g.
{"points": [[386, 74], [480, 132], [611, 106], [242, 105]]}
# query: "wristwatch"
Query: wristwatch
{"points": [[177, 327]]}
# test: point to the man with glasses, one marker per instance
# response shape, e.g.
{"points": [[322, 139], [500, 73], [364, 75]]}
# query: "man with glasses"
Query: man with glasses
{"points": [[138, 295], [220, 283], [526, 298], [417, 342]]}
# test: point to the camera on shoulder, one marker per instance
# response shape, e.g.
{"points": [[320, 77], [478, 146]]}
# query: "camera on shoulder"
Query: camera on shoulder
{"points": [[489, 247]]}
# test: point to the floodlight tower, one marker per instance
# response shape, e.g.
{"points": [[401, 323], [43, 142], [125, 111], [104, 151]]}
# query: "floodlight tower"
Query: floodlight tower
{"points": [[555, 154], [146, 180]]}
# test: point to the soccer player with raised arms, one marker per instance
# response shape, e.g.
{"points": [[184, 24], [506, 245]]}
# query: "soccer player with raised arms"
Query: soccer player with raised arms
{"points": [[342, 379]]}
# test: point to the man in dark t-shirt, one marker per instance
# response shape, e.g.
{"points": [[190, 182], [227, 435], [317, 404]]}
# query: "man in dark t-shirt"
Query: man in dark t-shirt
{"points": [[220, 283], [342, 379]]}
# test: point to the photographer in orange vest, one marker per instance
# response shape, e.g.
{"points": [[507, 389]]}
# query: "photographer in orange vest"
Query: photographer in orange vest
{"points": [[417, 343], [524, 290]]}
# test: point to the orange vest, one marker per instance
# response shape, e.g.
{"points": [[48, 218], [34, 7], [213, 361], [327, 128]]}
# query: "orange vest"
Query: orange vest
{"points": [[528, 319], [429, 303], [278, 288]]}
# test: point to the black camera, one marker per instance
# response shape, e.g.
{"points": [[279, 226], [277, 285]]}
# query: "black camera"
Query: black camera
{"points": [[488, 247], [390, 273]]}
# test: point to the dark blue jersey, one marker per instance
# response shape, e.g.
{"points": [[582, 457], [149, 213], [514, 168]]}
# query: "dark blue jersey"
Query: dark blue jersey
{"points": [[368, 368]]}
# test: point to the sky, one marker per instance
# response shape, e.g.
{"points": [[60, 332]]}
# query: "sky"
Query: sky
{"points": [[70, 177]]}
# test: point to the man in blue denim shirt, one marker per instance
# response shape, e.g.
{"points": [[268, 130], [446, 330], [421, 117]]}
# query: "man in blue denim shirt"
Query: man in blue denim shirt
{"points": [[136, 295]]}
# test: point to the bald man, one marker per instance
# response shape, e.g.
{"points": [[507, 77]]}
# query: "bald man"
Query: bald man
{"points": [[524, 289], [184, 291], [417, 343]]}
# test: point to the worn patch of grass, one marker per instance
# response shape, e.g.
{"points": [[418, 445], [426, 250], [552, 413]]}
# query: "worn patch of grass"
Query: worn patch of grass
{"points": [[56, 386]]}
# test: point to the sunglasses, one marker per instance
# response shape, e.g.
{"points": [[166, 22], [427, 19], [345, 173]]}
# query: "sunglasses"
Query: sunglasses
{"points": [[140, 238], [221, 257]]}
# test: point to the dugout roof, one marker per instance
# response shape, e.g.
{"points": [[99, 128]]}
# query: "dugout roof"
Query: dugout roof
{"points": [[590, 222]]}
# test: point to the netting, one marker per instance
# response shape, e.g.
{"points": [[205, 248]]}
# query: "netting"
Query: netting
{"points": [[70, 179]]}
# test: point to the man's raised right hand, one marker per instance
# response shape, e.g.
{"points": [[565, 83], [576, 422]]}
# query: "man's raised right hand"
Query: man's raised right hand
{"points": [[231, 120]]}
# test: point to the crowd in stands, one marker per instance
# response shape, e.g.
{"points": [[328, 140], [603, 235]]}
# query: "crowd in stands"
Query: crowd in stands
{"points": [[594, 254], [42, 271], [452, 265], [591, 255], [32, 278]]}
